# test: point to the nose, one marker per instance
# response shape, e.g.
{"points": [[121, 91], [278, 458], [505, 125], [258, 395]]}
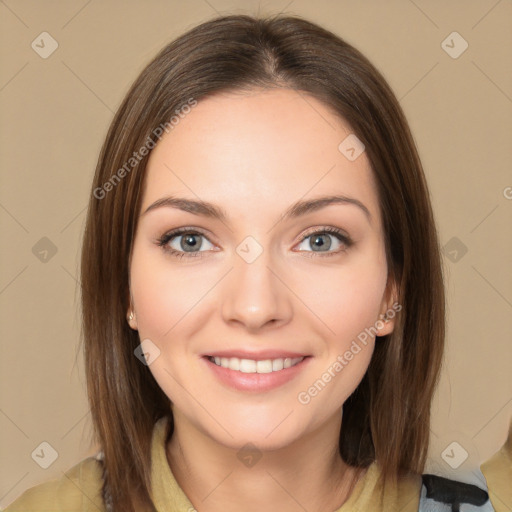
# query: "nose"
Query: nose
{"points": [[255, 295]]}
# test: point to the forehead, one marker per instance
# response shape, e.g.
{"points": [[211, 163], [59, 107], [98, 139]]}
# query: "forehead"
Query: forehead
{"points": [[257, 151]]}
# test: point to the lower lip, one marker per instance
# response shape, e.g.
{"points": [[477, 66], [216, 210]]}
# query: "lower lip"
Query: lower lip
{"points": [[256, 381]]}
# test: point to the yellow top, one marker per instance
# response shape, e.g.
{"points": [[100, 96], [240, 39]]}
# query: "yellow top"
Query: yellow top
{"points": [[78, 490], [498, 473]]}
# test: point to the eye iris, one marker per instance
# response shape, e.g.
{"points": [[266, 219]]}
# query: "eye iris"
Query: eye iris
{"points": [[318, 238], [190, 239]]}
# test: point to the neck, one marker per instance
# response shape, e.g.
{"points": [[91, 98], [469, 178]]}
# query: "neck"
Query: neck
{"points": [[308, 474]]}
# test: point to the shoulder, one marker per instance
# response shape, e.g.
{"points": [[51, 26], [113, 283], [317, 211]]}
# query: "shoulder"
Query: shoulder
{"points": [[78, 489], [498, 473], [438, 493]]}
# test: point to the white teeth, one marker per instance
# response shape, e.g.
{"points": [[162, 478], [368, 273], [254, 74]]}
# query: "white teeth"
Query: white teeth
{"points": [[246, 366], [264, 366], [277, 364], [252, 366], [234, 363]]}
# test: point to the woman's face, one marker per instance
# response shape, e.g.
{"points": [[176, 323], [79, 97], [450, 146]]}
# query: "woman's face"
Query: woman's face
{"points": [[255, 277]]}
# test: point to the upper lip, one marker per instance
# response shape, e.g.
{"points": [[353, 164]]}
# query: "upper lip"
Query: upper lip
{"points": [[256, 355]]}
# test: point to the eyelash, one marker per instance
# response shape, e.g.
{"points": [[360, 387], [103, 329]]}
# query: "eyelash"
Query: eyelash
{"points": [[167, 237]]}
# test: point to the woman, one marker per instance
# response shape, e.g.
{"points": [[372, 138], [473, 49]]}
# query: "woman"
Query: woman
{"points": [[263, 303]]}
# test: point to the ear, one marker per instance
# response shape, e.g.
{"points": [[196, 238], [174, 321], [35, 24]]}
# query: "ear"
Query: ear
{"points": [[131, 318], [389, 309]]}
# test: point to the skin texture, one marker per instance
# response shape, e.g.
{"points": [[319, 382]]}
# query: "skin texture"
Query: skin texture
{"points": [[255, 154]]}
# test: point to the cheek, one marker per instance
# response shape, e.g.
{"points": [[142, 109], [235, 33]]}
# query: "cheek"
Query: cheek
{"points": [[161, 296], [348, 304], [346, 300]]}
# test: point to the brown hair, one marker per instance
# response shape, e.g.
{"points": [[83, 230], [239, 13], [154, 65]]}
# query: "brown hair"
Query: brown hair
{"points": [[387, 418]]}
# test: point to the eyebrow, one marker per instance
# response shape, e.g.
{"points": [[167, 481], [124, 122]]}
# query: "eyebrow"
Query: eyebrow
{"points": [[298, 209]]}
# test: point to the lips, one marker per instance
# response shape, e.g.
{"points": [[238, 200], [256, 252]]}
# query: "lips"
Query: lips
{"points": [[259, 371]]}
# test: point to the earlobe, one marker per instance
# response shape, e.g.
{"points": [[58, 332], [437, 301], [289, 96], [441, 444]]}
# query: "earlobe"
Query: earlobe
{"points": [[132, 321], [386, 322]]}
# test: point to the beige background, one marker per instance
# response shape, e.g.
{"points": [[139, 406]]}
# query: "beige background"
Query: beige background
{"points": [[55, 113]]}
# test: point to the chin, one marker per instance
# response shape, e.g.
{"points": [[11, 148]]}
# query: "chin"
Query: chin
{"points": [[265, 436]]}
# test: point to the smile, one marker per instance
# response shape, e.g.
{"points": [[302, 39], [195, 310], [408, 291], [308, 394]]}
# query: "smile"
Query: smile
{"points": [[255, 375], [253, 366]]}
